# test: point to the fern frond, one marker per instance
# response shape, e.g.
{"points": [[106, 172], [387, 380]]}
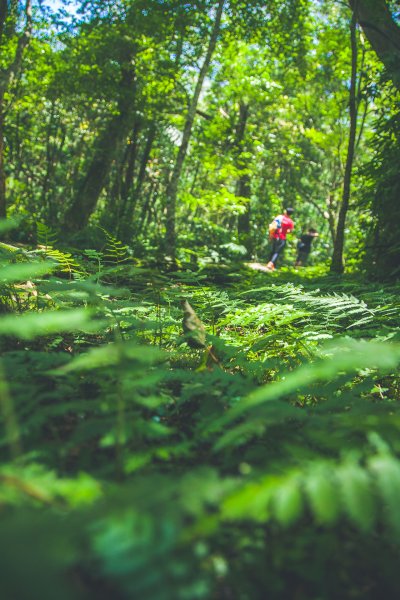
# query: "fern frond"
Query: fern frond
{"points": [[328, 490], [357, 497], [65, 260], [115, 252], [320, 488], [46, 237]]}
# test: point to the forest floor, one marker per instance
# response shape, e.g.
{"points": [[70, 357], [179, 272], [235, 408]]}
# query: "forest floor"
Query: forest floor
{"points": [[148, 470]]}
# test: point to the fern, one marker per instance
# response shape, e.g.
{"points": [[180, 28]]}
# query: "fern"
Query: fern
{"points": [[328, 490], [358, 499], [286, 420], [46, 237], [115, 252], [32, 483], [65, 260]]}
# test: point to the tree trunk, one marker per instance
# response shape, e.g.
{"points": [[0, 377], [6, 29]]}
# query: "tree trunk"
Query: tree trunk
{"points": [[172, 187], [7, 77], [337, 264], [382, 33], [143, 163], [9, 74], [91, 185], [244, 190], [127, 179], [123, 178], [51, 153], [243, 186], [132, 187], [3, 16], [151, 198], [331, 221], [3, 209]]}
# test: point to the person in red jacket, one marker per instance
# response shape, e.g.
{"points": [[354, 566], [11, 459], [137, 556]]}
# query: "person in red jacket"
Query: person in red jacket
{"points": [[278, 230]]}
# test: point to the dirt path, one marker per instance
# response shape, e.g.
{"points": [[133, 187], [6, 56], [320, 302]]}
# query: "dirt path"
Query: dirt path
{"points": [[258, 267]]}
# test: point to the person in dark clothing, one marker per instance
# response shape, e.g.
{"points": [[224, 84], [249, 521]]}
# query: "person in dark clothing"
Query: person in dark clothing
{"points": [[304, 247], [278, 230]]}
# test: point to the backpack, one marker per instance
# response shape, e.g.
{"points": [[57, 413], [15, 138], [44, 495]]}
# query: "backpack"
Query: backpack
{"points": [[275, 226]]}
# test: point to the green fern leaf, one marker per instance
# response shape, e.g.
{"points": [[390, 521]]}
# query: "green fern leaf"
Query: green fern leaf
{"points": [[288, 501], [66, 261], [45, 235], [29, 326], [357, 495], [250, 502], [115, 251], [386, 470], [322, 494]]}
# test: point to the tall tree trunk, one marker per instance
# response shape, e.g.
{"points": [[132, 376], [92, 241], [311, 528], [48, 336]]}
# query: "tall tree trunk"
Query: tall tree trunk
{"points": [[3, 16], [337, 264], [151, 198], [142, 170], [244, 190], [90, 187], [8, 76], [51, 151], [133, 188], [382, 33], [123, 177], [127, 176], [3, 205], [172, 188], [108, 142], [331, 216], [243, 186]]}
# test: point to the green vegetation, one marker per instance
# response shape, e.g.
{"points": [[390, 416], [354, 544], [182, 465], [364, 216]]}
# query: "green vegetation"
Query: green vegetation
{"points": [[138, 466], [174, 424]]}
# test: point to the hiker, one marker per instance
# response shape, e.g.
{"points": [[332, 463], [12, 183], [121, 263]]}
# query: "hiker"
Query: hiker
{"points": [[304, 246], [278, 229]]}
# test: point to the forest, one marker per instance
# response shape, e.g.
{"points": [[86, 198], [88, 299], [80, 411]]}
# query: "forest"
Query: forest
{"points": [[199, 299]]}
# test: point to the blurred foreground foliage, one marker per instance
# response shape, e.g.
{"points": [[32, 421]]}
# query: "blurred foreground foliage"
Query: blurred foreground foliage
{"points": [[133, 466]]}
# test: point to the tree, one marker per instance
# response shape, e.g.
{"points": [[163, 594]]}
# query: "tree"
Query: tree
{"points": [[382, 32], [383, 183], [105, 148], [337, 265], [172, 188], [130, 54], [11, 68]]}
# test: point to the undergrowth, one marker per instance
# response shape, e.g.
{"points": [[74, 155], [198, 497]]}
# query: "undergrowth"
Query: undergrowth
{"points": [[263, 464]]}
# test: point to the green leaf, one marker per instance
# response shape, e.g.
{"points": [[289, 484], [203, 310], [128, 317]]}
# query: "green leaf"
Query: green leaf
{"points": [[7, 224], [29, 326], [349, 357], [112, 354], [322, 494], [357, 494], [24, 271], [288, 501], [251, 501], [33, 483], [386, 470]]}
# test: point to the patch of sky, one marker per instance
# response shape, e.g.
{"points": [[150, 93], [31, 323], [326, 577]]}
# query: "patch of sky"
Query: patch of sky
{"points": [[67, 7], [61, 15]]}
